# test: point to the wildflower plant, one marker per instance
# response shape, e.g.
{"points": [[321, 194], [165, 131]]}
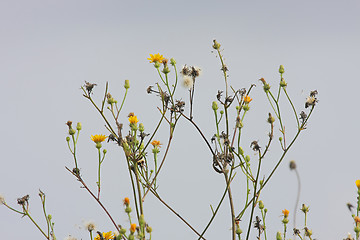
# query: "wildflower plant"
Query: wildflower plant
{"points": [[230, 158]]}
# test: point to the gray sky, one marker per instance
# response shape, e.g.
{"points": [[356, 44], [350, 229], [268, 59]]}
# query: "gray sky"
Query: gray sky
{"points": [[48, 49]]}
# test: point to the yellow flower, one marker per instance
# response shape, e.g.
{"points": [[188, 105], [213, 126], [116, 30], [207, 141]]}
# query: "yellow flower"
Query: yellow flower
{"points": [[156, 58], [357, 182], [126, 201], [107, 236], [247, 99], [155, 143], [133, 227], [133, 119], [285, 212], [98, 138], [357, 220]]}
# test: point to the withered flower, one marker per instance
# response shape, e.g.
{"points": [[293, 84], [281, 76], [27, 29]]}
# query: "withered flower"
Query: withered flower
{"points": [[89, 87]]}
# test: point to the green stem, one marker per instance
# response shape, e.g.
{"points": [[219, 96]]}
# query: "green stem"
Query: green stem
{"points": [[26, 213]]}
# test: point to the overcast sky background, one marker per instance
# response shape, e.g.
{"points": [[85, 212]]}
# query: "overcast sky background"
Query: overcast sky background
{"points": [[48, 49]]}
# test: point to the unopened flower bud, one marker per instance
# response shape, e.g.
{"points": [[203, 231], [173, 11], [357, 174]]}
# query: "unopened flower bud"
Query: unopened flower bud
{"points": [[148, 229], [71, 131], [271, 119], [141, 127], [278, 236], [280, 139], [247, 158], [215, 106], [67, 138], [246, 107], [172, 61], [238, 231], [104, 151], [281, 69], [142, 220], [261, 204], [127, 84], [221, 112], [166, 70], [122, 231], [216, 45], [266, 87], [241, 151], [78, 126], [128, 210], [283, 83], [292, 165]]}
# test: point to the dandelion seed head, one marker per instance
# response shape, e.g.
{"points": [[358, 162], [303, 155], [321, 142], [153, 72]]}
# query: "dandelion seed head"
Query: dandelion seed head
{"points": [[188, 82]]}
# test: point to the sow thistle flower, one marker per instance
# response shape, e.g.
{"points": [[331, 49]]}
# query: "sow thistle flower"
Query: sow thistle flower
{"points": [[98, 138], [106, 236], [156, 58], [133, 227], [155, 143], [357, 183], [285, 212], [133, 119]]}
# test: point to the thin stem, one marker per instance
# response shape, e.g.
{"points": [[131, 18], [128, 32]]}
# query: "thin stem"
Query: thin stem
{"points": [[26, 213]]}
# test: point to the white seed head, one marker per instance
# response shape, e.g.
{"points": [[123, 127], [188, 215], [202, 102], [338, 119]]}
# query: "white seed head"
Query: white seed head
{"points": [[90, 226], [188, 82]]}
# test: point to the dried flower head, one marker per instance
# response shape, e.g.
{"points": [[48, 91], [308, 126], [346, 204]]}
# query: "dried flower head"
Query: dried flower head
{"points": [[2, 200], [255, 146], [285, 212], [98, 138], [90, 226], [188, 82], [311, 100], [89, 87], [156, 58]]}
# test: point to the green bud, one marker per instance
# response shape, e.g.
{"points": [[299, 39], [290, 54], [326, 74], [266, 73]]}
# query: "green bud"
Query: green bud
{"points": [[49, 217], [215, 106], [278, 236], [104, 151], [221, 112], [71, 131], [265, 210], [157, 64], [78, 126], [142, 220], [241, 151], [261, 182], [67, 138], [305, 208], [98, 145], [237, 108], [148, 229], [166, 70], [141, 127], [128, 210], [127, 84], [271, 119], [281, 69], [172, 61], [131, 237], [247, 158], [122, 230], [280, 139], [357, 229], [246, 107], [261, 205], [283, 83], [266, 87], [238, 231], [216, 45]]}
